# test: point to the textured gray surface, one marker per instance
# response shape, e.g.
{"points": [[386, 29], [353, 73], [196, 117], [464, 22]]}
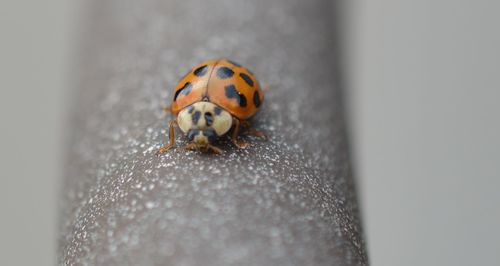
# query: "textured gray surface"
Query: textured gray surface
{"points": [[287, 201]]}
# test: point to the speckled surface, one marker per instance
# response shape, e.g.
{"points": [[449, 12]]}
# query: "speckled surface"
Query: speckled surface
{"points": [[287, 201]]}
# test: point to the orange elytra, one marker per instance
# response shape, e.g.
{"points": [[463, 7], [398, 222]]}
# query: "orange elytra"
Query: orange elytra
{"points": [[212, 98]]}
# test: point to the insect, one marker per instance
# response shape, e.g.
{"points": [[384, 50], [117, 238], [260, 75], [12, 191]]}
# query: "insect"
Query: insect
{"points": [[212, 98]]}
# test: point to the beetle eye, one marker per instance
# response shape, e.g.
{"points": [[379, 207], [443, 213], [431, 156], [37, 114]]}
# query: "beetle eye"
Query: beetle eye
{"points": [[210, 134], [209, 118], [192, 133]]}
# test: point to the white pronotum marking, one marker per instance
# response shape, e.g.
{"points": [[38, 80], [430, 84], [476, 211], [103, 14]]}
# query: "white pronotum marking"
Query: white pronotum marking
{"points": [[221, 122]]}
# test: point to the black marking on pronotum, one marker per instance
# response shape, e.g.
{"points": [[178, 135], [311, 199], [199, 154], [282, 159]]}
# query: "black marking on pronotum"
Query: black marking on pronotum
{"points": [[234, 63], [201, 71], [184, 90], [195, 117], [192, 133], [209, 118], [256, 99], [210, 134], [231, 92], [224, 72], [190, 109], [247, 79], [217, 110]]}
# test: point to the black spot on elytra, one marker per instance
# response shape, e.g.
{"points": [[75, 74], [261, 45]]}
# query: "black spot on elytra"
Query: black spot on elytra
{"points": [[247, 79], [184, 90], [234, 63], [224, 72], [217, 110], [256, 99], [209, 118], [231, 92], [201, 71], [195, 117]]}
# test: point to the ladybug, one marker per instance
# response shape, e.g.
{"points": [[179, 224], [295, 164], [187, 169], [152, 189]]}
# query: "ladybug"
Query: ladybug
{"points": [[212, 98]]}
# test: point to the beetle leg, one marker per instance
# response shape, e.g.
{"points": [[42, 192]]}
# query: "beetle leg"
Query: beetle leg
{"points": [[252, 131], [167, 109], [214, 149], [234, 136], [208, 147], [191, 146], [171, 138]]}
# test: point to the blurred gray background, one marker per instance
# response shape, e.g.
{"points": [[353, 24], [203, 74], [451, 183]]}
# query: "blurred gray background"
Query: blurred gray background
{"points": [[423, 85]]}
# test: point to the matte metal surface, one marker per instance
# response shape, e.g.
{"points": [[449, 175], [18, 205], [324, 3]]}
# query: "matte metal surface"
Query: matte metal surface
{"points": [[287, 201]]}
